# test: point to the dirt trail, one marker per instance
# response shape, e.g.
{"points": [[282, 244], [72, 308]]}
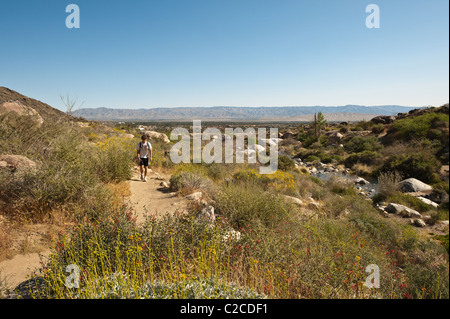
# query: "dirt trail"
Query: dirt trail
{"points": [[147, 198], [16, 270], [150, 198]]}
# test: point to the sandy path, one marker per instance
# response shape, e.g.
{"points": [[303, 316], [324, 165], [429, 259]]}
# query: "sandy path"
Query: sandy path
{"points": [[150, 198], [16, 270], [147, 198]]}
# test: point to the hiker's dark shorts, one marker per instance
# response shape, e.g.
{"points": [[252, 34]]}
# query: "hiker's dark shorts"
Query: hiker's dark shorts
{"points": [[143, 162]]}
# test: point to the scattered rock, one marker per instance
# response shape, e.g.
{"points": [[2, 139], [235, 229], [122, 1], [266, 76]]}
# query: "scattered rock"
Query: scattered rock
{"points": [[412, 185], [404, 211], [438, 196], [194, 196], [313, 205], [19, 108], [207, 214], [232, 235], [383, 119], [164, 184], [382, 210], [294, 200], [335, 138], [361, 181], [428, 202], [16, 162], [428, 219], [419, 223], [288, 134]]}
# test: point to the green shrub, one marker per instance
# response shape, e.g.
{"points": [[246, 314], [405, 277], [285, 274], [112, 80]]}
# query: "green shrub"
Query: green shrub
{"points": [[358, 144], [377, 128], [365, 157], [248, 203], [418, 127], [421, 165], [285, 163], [312, 158], [188, 182], [443, 240], [114, 159], [388, 183]]}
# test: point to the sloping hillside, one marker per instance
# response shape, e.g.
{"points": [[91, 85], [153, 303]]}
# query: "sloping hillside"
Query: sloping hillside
{"points": [[12, 100]]}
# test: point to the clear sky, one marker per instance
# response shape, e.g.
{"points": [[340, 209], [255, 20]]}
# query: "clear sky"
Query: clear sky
{"points": [[164, 53]]}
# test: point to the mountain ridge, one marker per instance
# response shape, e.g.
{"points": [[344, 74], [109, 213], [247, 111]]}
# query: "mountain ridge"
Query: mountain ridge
{"points": [[257, 113]]}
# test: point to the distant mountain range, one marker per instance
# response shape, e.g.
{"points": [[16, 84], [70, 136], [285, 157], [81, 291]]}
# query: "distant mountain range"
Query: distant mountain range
{"points": [[232, 113]]}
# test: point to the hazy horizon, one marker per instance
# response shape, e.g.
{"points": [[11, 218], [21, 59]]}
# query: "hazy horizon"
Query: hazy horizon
{"points": [[247, 53]]}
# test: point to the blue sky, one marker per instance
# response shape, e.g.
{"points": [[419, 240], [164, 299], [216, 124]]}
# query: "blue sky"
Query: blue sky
{"points": [[165, 53]]}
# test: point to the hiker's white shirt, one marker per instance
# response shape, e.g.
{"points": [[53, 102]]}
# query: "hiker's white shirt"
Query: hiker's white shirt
{"points": [[143, 149]]}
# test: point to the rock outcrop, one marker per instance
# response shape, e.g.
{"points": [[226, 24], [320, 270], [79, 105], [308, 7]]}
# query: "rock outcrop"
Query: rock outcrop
{"points": [[16, 162], [412, 185], [403, 211], [21, 109], [383, 119], [158, 136]]}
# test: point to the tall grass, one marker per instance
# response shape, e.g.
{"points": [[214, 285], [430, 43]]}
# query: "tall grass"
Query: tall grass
{"points": [[70, 169], [181, 257]]}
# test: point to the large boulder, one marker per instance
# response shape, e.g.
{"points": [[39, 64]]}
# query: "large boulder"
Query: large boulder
{"points": [[129, 136], [428, 202], [19, 108], [438, 196], [294, 200], [383, 119], [402, 210], [16, 162], [288, 134], [156, 135], [335, 138], [418, 222], [412, 185], [361, 181], [195, 196]]}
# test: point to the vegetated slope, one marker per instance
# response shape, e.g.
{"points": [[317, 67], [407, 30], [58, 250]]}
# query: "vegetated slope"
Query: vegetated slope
{"points": [[285, 113], [45, 111]]}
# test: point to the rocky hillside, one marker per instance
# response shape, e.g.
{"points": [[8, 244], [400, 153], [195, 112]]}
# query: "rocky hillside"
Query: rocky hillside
{"points": [[13, 101]]}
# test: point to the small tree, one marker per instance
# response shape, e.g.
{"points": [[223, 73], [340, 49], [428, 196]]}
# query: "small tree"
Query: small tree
{"points": [[69, 103], [319, 122]]}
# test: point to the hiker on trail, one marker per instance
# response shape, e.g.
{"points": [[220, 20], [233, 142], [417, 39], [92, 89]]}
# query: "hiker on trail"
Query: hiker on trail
{"points": [[144, 154]]}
